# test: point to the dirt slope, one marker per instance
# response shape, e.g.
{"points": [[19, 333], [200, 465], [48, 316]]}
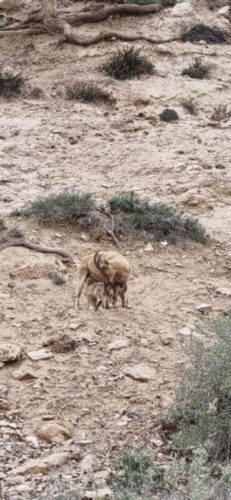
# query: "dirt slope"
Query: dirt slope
{"points": [[49, 145]]}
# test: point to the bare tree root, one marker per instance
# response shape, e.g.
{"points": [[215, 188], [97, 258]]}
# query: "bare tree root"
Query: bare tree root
{"points": [[47, 20], [16, 238]]}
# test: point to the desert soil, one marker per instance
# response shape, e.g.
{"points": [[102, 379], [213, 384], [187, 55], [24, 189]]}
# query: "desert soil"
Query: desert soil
{"points": [[49, 145]]}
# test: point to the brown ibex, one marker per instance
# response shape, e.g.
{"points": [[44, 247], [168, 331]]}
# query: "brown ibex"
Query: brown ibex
{"points": [[108, 267]]}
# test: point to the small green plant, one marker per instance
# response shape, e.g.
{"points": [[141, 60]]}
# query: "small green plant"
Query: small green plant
{"points": [[62, 208], [36, 93], [220, 113], [203, 401], [56, 278], [202, 32], [2, 224], [127, 63], [169, 115], [157, 220], [189, 105], [137, 476], [197, 70], [10, 84], [87, 91]]}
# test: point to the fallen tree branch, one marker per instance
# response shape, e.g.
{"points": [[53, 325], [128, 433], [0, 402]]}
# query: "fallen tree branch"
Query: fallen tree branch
{"points": [[15, 238]]}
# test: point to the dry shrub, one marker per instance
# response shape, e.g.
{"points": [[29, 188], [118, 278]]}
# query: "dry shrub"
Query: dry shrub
{"points": [[197, 70], [87, 91], [10, 84], [189, 105], [220, 113], [169, 115], [202, 32]]}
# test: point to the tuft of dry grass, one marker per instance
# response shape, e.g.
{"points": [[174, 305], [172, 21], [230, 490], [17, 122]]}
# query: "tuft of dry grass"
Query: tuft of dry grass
{"points": [[189, 105], [87, 91], [220, 113], [197, 70], [127, 63], [10, 84]]}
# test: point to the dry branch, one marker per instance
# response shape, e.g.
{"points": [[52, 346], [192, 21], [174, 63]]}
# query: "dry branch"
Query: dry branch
{"points": [[16, 238], [47, 20]]}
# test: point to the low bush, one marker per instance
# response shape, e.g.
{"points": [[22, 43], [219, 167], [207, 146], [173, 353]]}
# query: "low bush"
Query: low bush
{"points": [[189, 105], [2, 224], [203, 401], [127, 63], [158, 221], [10, 84], [197, 70], [87, 91], [169, 115], [137, 476], [202, 32], [58, 209]]}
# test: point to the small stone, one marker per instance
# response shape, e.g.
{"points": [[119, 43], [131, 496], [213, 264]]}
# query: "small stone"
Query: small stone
{"points": [[148, 248], [100, 494], [182, 9], [42, 465], [224, 11], [75, 326], [204, 308], [224, 291], [32, 441], [6, 423], [185, 331], [164, 243], [118, 344], [9, 352], [39, 355], [140, 372], [84, 237], [168, 340], [23, 373], [23, 488], [157, 442], [87, 463], [55, 432]]}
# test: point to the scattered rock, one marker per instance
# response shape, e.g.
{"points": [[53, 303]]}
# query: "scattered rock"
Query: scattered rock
{"points": [[140, 372], [203, 308], [39, 355], [23, 373], [185, 331], [157, 442], [9, 352], [10, 4], [55, 432], [118, 344], [99, 494], [182, 9], [5, 423], [224, 291], [167, 340], [149, 248], [87, 463], [32, 441], [42, 465], [84, 237], [224, 11]]}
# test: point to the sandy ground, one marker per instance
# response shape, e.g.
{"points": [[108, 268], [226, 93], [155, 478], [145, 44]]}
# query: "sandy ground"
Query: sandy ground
{"points": [[49, 145]]}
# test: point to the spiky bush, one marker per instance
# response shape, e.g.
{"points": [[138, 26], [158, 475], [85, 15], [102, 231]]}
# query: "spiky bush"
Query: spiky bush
{"points": [[127, 63], [203, 401], [136, 475], [158, 221], [87, 91], [169, 115], [208, 34], [220, 113], [57, 209], [10, 84], [197, 70], [189, 105]]}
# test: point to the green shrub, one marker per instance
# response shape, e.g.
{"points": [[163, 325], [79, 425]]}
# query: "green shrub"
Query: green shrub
{"points": [[10, 85], [169, 115], [208, 34], [2, 224], [197, 70], [61, 208], [87, 91], [137, 476], [203, 401], [157, 220], [127, 63]]}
